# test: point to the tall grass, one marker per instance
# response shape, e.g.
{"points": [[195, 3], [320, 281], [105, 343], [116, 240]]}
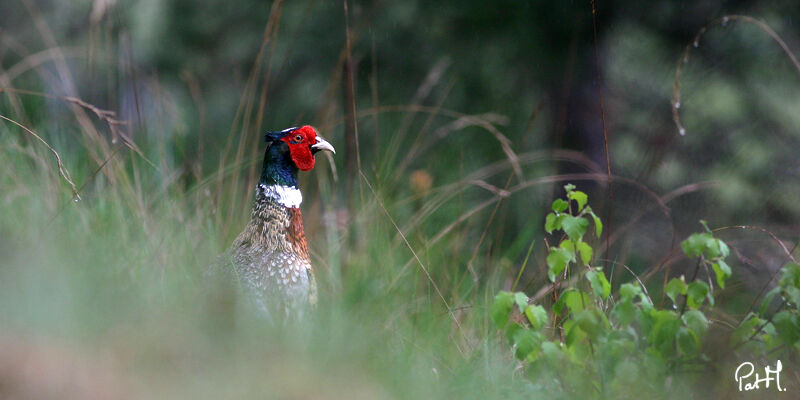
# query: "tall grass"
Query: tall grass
{"points": [[109, 225]]}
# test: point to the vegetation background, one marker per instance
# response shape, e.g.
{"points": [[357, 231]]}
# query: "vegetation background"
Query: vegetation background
{"points": [[130, 141]]}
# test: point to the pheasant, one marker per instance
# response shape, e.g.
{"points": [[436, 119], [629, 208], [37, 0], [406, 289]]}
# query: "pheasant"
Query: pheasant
{"points": [[270, 257]]}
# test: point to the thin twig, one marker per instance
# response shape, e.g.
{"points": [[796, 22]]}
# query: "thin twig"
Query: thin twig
{"points": [[107, 116], [722, 21], [610, 208], [524, 263], [62, 170]]}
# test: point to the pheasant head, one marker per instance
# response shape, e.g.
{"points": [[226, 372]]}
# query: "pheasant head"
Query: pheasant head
{"points": [[288, 151]]}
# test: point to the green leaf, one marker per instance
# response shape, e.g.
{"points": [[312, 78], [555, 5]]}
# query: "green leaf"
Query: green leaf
{"points": [[557, 261], [577, 300], [575, 227], [560, 305], [537, 316], [571, 299], [787, 327], [551, 223], [526, 342], [599, 283], [573, 334], [790, 275], [696, 293], [569, 188], [579, 198], [501, 308], [665, 328], [624, 312], [724, 250], [745, 330], [705, 243], [696, 322], [696, 244], [716, 248], [770, 337], [585, 251], [645, 320], [552, 351], [768, 328], [560, 205], [722, 271], [598, 225], [628, 291], [588, 322], [511, 330], [793, 294], [688, 342], [675, 288], [521, 299], [768, 299]]}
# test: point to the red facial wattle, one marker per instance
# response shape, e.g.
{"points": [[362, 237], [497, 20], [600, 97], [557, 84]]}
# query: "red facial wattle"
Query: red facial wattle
{"points": [[300, 142]]}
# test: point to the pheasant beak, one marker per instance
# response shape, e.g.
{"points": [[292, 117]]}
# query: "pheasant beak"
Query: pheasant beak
{"points": [[322, 144]]}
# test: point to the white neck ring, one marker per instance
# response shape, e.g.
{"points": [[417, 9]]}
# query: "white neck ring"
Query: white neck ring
{"points": [[287, 196]]}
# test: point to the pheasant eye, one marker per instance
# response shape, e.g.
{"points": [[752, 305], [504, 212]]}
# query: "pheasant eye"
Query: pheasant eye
{"points": [[298, 138]]}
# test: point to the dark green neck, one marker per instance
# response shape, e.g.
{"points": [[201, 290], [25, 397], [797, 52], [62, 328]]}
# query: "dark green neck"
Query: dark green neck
{"points": [[279, 169]]}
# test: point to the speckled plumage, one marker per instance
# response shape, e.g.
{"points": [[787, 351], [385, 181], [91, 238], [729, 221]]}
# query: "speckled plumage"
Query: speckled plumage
{"points": [[270, 258]]}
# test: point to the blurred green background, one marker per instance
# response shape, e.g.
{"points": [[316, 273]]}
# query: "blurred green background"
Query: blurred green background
{"points": [[469, 115]]}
